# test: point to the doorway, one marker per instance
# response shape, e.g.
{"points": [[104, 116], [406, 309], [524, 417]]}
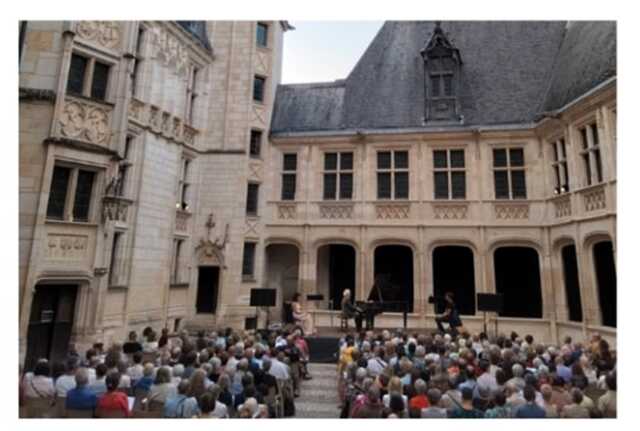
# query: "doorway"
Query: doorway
{"points": [[50, 323], [207, 295]]}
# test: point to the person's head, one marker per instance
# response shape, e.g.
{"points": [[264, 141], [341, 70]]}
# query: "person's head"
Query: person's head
{"points": [[499, 398], [137, 358], [163, 376], [420, 387], [133, 336], [183, 387], [576, 396], [42, 368], [346, 293], [529, 393], [178, 370], [517, 370], [483, 365], [101, 371], [395, 385], [112, 381], [373, 394], [82, 377], [449, 297], [434, 395], [207, 403], [296, 297], [546, 392], [396, 403], [148, 369], [467, 394], [224, 381]]}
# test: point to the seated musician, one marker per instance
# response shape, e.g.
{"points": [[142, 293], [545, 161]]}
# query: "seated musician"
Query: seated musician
{"points": [[450, 315], [349, 310], [301, 317]]}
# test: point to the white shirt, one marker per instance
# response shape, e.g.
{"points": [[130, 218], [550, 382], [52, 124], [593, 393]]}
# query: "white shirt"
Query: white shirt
{"points": [[279, 370], [220, 411], [38, 386], [64, 384], [125, 382], [135, 372]]}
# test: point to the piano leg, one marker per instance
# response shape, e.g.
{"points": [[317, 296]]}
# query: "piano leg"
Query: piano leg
{"points": [[370, 319], [358, 320]]}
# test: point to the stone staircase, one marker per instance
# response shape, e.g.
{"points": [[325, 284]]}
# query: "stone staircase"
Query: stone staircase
{"points": [[319, 396]]}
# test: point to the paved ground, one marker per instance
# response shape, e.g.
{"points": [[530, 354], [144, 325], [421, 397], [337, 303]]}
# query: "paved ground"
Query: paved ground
{"points": [[319, 396]]}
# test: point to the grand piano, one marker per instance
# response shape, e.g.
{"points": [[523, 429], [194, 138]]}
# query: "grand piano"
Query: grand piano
{"points": [[383, 297]]}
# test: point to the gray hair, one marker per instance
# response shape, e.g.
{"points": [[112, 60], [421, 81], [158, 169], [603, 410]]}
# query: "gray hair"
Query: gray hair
{"points": [[178, 370], [517, 370], [82, 377], [434, 395], [421, 386], [361, 373]]}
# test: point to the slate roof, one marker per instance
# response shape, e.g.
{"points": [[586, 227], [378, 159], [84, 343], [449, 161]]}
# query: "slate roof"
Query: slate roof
{"points": [[511, 72]]}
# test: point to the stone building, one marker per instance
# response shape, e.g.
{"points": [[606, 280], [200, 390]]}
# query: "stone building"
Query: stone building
{"points": [[134, 160], [164, 173]]}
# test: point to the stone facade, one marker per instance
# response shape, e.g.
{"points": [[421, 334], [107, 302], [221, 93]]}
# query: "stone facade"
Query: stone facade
{"points": [[154, 117]]}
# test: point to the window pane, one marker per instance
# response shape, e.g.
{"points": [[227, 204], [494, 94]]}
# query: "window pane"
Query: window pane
{"points": [[516, 157], [114, 257], [58, 192], [401, 185], [401, 159], [252, 199], [384, 160], [448, 85], [501, 184], [565, 176], [499, 158], [329, 186], [440, 159], [77, 69], [594, 134], [563, 147], [518, 184], [457, 158], [289, 162], [384, 185], [556, 169], [435, 86], [261, 35], [555, 151], [288, 187], [83, 195], [587, 168], [346, 161], [583, 135], [248, 256], [346, 186], [254, 146], [441, 184], [258, 89], [458, 185], [596, 154], [99, 82], [330, 161]]}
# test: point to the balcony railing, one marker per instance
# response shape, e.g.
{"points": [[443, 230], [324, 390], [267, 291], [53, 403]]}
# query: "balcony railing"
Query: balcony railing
{"points": [[162, 122]]}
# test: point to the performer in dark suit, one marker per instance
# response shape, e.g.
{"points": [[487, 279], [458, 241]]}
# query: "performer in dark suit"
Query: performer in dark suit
{"points": [[350, 311], [450, 315]]}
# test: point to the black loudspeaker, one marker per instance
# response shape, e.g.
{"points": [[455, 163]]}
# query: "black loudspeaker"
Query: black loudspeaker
{"points": [[315, 297], [263, 298], [490, 302], [250, 323]]}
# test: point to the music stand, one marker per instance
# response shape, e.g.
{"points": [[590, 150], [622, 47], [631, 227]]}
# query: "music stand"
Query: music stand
{"points": [[490, 303]]}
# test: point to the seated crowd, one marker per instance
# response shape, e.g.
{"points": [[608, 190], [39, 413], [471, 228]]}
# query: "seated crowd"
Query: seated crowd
{"points": [[219, 375], [385, 375]]}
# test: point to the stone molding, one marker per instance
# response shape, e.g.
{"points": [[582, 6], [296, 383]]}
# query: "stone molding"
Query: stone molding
{"points": [[107, 34], [511, 211], [336, 211], [594, 199], [37, 94], [393, 211], [182, 221], [161, 122], [66, 246], [287, 211], [450, 211], [562, 207], [86, 120]]}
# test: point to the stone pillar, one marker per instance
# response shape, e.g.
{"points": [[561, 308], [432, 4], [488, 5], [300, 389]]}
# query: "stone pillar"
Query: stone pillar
{"points": [[548, 289]]}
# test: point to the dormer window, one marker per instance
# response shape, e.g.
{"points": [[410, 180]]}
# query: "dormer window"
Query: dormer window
{"points": [[441, 76]]}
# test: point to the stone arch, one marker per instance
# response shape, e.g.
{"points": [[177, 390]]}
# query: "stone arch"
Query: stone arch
{"points": [[453, 266], [601, 251], [281, 271], [337, 261]]}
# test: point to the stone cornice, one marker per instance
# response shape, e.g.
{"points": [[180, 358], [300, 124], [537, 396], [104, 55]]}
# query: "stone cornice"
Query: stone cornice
{"points": [[37, 94]]}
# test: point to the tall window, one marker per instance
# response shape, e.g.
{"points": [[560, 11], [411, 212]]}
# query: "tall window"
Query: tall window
{"points": [[508, 173], [123, 167], [175, 269], [258, 88], [393, 175], [338, 176], [248, 260], [252, 199], [183, 186], [137, 63], [255, 143], [590, 154], [289, 167], [191, 94], [70, 182], [559, 165], [115, 258], [88, 77], [262, 34], [448, 174]]}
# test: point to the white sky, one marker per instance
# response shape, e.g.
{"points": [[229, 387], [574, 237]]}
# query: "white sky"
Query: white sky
{"points": [[324, 50]]}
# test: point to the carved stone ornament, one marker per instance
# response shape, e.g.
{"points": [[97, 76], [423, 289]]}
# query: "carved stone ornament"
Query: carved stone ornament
{"points": [[105, 33], [169, 50], [212, 251], [85, 121]]}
